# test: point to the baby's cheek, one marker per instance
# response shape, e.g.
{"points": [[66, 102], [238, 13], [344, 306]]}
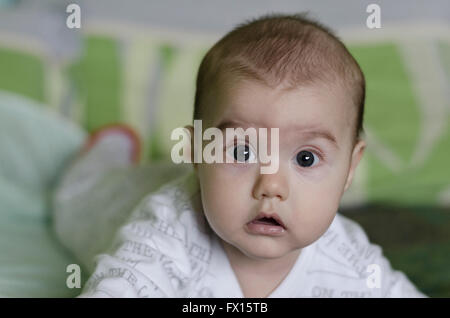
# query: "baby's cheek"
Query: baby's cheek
{"points": [[222, 210], [223, 194], [312, 218]]}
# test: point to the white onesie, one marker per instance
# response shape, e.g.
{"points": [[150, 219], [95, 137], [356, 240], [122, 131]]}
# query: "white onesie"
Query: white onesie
{"points": [[166, 249]]}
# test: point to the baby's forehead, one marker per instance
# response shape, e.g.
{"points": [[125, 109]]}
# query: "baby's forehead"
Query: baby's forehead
{"points": [[318, 110], [250, 99]]}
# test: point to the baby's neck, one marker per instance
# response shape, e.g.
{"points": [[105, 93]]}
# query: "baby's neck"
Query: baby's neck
{"points": [[259, 278]]}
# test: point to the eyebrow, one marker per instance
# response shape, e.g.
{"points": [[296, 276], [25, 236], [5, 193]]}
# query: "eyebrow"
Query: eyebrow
{"points": [[308, 132]]}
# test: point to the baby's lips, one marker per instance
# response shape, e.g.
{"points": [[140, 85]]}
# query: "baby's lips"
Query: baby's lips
{"points": [[274, 216], [260, 228]]}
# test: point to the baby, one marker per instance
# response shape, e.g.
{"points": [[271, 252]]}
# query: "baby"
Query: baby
{"points": [[228, 230]]}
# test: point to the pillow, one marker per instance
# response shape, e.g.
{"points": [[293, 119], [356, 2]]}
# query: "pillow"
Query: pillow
{"points": [[35, 145]]}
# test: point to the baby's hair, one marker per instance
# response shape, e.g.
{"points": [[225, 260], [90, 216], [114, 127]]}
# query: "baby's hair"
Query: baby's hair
{"points": [[288, 49]]}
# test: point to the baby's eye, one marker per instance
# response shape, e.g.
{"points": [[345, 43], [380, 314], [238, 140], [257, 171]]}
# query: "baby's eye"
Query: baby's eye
{"points": [[242, 153], [306, 158]]}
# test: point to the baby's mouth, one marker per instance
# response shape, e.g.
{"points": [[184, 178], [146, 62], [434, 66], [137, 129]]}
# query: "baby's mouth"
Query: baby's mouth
{"points": [[271, 219], [265, 220], [267, 224]]}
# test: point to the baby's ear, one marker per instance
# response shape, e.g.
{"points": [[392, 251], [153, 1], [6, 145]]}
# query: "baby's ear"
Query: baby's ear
{"points": [[358, 151]]}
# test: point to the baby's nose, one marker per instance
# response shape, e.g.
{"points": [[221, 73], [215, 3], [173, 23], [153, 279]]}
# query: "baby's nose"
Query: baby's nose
{"points": [[271, 186]]}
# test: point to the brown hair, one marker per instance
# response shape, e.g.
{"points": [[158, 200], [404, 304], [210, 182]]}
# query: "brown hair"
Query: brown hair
{"points": [[282, 49]]}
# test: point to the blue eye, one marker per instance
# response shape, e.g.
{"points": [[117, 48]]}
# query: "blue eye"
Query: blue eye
{"points": [[305, 158]]}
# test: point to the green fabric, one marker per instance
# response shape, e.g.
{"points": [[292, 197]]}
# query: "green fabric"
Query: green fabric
{"points": [[98, 77], [389, 92], [21, 73], [35, 145], [392, 113]]}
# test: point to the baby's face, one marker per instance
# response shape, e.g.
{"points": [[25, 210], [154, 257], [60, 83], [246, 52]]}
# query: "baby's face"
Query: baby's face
{"points": [[305, 191]]}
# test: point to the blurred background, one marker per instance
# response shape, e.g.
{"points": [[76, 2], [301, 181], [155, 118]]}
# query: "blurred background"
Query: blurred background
{"points": [[136, 61]]}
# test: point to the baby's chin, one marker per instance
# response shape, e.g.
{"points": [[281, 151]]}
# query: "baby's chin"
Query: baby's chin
{"points": [[276, 254], [265, 248], [264, 254]]}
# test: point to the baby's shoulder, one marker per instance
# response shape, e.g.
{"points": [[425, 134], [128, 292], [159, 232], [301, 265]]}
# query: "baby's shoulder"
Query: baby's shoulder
{"points": [[347, 264], [349, 231], [347, 244], [164, 235], [172, 200], [172, 212]]}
